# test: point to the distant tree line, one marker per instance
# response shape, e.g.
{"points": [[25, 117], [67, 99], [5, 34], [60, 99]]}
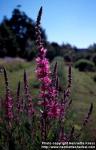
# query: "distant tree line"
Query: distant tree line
{"points": [[71, 54], [17, 36], [17, 39]]}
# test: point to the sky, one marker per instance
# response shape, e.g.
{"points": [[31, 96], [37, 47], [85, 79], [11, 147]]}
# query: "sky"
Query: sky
{"points": [[65, 21]]}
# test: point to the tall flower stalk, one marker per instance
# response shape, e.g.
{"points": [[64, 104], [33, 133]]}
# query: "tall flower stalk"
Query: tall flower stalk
{"points": [[42, 71], [47, 90], [8, 101], [52, 106], [28, 103]]}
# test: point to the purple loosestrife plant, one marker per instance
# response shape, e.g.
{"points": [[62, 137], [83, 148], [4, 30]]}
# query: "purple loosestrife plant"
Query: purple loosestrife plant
{"points": [[53, 107], [47, 91], [88, 115], [9, 116], [18, 98], [8, 101], [28, 104]]}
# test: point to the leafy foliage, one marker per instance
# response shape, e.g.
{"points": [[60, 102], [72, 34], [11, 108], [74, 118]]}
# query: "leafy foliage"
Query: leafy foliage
{"points": [[85, 65]]}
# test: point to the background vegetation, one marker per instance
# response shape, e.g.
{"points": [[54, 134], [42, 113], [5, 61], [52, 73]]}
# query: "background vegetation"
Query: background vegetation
{"points": [[17, 39]]}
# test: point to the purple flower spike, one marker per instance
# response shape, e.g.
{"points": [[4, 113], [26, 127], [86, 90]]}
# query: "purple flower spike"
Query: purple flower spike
{"points": [[8, 100]]}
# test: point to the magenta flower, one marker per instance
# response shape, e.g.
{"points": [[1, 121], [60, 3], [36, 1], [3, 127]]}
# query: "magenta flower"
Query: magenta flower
{"points": [[43, 68], [9, 107], [52, 92], [54, 109], [46, 80], [48, 92]]}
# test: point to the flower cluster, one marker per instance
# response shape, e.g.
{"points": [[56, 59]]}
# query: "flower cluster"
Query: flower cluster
{"points": [[43, 71]]}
